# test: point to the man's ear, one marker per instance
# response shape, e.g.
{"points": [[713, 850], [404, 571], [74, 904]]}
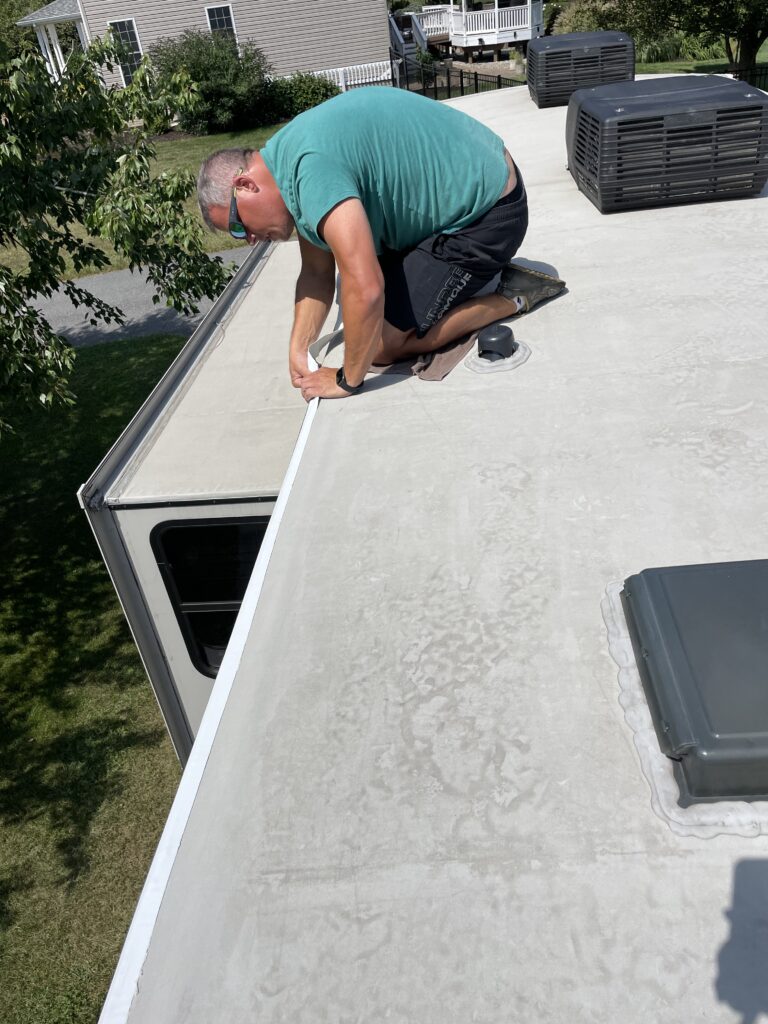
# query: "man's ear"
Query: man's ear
{"points": [[245, 181]]}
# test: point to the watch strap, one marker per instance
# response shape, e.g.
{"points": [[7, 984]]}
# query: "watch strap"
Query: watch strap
{"points": [[342, 382]]}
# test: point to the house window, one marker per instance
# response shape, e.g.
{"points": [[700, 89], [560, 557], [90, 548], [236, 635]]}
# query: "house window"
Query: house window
{"points": [[220, 19], [206, 565], [126, 35]]}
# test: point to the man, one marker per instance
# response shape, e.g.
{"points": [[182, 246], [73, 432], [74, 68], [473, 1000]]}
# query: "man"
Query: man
{"points": [[418, 206]]}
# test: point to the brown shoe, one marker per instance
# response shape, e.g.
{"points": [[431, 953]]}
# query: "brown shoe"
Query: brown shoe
{"points": [[532, 286]]}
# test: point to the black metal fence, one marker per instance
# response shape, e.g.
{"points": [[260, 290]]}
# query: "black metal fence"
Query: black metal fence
{"points": [[757, 76], [440, 81]]}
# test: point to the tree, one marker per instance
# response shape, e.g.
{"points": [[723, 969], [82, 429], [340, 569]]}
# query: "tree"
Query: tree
{"points": [[16, 40], [741, 24], [74, 159], [589, 16]]}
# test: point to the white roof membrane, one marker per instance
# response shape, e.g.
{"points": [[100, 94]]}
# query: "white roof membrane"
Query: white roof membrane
{"points": [[422, 802], [231, 430]]}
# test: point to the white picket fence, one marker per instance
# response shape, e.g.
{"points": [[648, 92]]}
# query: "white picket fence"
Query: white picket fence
{"points": [[379, 73]]}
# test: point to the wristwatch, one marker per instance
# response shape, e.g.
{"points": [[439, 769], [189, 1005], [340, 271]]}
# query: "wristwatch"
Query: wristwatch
{"points": [[341, 381]]}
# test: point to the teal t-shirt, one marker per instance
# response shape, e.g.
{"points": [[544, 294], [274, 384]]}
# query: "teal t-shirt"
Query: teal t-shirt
{"points": [[418, 167]]}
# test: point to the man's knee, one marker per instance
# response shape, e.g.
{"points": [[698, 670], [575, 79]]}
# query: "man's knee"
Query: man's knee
{"points": [[394, 337], [395, 344]]}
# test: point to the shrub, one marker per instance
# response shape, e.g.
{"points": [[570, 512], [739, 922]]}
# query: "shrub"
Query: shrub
{"points": [[291, 96], [232, 84], [679, 46], [703, 48]]}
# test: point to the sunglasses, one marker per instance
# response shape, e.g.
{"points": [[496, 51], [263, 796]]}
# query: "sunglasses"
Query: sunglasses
{"points": [[236, 227]]}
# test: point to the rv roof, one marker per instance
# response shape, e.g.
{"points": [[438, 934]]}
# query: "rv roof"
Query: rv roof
{"points": [[229, 429], [414, 796]]}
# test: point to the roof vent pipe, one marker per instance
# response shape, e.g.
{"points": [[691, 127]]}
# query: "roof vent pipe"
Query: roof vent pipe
{"points": [[496, 350], [496, 342]]}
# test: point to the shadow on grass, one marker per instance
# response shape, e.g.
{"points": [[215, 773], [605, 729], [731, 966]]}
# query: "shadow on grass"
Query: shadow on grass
{"points": [[12, 884], [66, 656], [66, 780]]}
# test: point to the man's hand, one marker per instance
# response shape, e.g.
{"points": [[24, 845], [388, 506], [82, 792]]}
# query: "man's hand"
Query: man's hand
{"points": [[314, 295], [298, 366], [320, 384]]}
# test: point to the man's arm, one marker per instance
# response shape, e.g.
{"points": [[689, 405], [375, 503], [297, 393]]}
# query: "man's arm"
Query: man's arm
{"points": [[314, 295], [347, 231]]}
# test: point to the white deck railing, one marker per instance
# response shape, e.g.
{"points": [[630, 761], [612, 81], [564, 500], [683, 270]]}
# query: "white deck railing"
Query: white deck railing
{"points": [[493, 25], [435, 21], [419, 35], [485, 20]]}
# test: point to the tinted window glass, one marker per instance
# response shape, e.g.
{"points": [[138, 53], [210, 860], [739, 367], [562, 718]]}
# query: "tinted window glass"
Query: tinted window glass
{"points": [[206, 565], [211, 631], [212, 562]]}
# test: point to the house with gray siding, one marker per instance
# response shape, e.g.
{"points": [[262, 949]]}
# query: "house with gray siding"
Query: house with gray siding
{"points": [[347, 41]]}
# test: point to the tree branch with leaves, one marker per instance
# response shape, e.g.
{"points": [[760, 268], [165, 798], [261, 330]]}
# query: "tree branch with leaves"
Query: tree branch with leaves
{"points": [[74, 152]]}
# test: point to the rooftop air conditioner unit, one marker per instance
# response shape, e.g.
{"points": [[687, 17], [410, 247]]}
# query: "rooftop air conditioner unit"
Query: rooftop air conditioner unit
{"points": [[664, 141], [558, 65]]}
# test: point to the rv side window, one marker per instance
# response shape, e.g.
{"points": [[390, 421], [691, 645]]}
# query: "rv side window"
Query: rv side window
{"points": [[206, 565]]}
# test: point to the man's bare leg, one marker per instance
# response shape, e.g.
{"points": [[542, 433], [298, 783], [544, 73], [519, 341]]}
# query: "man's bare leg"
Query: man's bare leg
{"points": [[464, 319]]}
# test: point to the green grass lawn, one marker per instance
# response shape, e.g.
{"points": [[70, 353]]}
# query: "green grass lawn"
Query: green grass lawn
{"points": [[88, 772], [185, 154], [709, 67], [673, 67]]}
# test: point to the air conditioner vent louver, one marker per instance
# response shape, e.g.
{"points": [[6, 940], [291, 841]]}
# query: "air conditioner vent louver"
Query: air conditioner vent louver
{"points": [[558, 65], [588, 144], [667, 141]]}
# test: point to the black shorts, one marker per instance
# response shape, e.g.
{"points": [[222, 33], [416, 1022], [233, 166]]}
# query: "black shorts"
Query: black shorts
{"points": [[422, 284]]}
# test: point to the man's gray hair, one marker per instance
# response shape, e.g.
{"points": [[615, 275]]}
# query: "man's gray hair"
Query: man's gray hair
{"points": [[214, 182]]}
